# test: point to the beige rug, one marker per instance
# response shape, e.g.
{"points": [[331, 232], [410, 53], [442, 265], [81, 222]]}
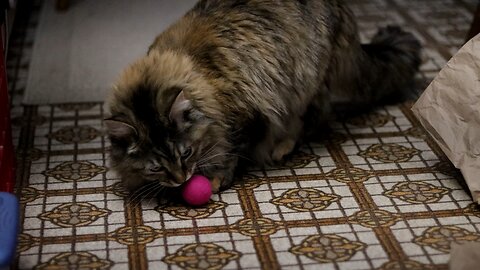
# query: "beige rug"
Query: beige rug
{"points": [[78, 54]]}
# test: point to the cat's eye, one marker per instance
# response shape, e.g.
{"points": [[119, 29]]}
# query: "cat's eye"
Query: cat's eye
{"points": [[187, 152], [156, 169]]}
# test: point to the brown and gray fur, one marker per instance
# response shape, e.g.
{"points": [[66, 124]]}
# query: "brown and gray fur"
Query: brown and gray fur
{"points": [[237, 79]]}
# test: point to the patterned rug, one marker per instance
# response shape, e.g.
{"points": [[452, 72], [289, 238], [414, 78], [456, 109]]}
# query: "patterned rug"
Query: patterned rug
{"points": [[375, 193]]}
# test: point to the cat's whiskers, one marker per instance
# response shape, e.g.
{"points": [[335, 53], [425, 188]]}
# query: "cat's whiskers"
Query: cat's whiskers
{"points": [[212, 148], [209, 165], [203, 161], [146, 194], [156, 190], [140, 192], [231, 155], [239, 156], [137, 192]]}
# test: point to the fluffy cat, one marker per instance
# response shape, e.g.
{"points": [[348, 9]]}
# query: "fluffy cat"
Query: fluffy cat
{"points": [[237, 79]]}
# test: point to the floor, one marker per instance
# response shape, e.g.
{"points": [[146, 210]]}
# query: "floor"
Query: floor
{"points": [[376, 193]]}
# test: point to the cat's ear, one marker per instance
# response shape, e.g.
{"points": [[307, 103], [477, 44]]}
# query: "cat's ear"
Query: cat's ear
{"points": [[119, 129], [180, 107]]}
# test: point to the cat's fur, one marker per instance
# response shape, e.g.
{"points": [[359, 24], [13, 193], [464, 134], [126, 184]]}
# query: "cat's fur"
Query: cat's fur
{"points": [[242, 78]]}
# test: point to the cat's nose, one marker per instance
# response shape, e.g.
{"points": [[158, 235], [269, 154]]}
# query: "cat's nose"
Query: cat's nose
{"points": [[179, 177]]}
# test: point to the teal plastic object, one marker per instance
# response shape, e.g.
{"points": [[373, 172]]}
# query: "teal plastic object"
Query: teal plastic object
{"points": [[9, 217]]}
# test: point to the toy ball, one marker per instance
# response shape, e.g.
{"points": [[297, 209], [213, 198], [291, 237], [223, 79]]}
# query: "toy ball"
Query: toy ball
{"points": [[197, 190]]}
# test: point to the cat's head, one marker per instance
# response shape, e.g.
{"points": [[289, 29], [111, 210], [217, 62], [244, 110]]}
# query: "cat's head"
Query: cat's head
{"points": [[140, 156], [161, 130]]}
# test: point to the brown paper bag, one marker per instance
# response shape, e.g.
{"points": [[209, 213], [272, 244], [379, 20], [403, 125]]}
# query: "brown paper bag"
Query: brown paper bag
{"points": [[464, 256], [449, 109]]}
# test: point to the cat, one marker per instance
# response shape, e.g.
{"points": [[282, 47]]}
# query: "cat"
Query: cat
{"points": [[237, 80]]}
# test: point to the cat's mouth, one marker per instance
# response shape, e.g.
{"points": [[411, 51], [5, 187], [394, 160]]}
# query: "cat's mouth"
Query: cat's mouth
{"points": [[189, 175], [171, 184], [175, 179]]}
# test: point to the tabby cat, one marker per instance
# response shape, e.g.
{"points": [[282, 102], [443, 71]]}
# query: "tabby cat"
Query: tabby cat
{"points": [[241, 79]]}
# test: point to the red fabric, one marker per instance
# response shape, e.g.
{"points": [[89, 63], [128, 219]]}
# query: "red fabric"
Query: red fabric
{"points": [[7, 154]]}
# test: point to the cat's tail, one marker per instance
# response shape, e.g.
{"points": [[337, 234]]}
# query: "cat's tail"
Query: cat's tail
{"points": [[380, 72], [395, 58]]}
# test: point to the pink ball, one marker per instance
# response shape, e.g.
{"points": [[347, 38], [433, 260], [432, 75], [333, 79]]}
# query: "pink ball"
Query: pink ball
{"points": [[197, 190]]}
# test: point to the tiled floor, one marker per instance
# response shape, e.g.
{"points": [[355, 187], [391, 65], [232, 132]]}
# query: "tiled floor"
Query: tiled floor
{"points": [[376, 193]]}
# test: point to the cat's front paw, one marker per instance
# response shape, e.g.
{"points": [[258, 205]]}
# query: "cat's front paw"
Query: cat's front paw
{"points": [[283, 149], [220, 183], [216, 184]]}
